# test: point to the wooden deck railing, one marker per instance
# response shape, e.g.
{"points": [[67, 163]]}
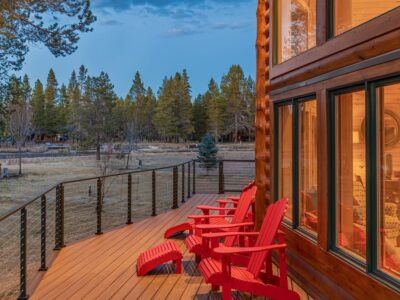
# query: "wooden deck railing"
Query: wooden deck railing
{"points": [[77, 209]]}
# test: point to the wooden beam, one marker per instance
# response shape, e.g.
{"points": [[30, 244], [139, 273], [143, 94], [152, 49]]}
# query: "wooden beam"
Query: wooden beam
{"points": [[263, 128]]}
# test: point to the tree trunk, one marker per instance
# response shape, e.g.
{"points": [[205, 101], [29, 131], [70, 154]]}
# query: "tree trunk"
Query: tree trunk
{"points": [[263, 126], [98, 147], [236, 128], [20, 160]]}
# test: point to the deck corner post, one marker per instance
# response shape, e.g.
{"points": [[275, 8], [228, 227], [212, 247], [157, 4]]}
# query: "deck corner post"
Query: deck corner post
{"points": [[175, 188], [221, 184], [59, 230], [183, 183], [43, 220], [153, 194], [188, 184], [194, 177], [99, 205], [22, 261], [129, 214]]}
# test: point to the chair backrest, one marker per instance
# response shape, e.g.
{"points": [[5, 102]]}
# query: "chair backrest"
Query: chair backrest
{"points": [[269, 228], [247, 198]]}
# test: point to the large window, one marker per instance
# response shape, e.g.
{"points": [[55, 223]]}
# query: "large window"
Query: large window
{"points": [[296, 23], [285, 162], [308, 207], [351, 13], [350, 165], [388, 132], [296, 157], [365, 176]]}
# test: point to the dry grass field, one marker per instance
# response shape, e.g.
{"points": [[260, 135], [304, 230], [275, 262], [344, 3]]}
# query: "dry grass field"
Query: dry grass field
{"points": [[81, 199], [40, 174]]}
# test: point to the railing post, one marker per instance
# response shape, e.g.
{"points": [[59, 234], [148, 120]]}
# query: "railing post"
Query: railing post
{"points": [[175, 188], [188, 184], [43, 266], [129, 219], [59, 238], [153, 194], [183, 183], [22, 259], [99, 205], [194, 177], [221, 183]]}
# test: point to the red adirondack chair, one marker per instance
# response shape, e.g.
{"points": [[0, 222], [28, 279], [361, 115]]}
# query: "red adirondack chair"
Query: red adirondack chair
{"points": [[251, 278], [225, 207], [239, 220]]}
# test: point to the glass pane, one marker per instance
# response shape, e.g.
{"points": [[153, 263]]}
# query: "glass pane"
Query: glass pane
{"points": [[389, 179], [285, 155], [351, 13], [308, 165], [350, 173], [296, 23]]}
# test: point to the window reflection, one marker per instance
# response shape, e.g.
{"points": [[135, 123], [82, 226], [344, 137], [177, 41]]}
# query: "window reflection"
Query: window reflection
{"points": [[350, 173], [351, 13], [388, 98], [308, 164], [296, 22], [285, 155]]}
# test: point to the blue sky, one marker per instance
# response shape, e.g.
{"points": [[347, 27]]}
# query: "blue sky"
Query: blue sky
{"points": [[158, 38]]}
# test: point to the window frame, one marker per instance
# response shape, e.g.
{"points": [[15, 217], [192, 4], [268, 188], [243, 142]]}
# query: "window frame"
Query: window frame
{"points": [[330, 19], [277, 106], [332, 141], [275, 33], [295, 222], [370, 266], [373, 266]]}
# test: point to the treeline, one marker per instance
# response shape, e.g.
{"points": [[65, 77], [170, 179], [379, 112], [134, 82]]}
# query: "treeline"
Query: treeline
{"points": [[87, 110]]}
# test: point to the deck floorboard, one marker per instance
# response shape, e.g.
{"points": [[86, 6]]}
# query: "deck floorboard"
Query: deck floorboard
{"points": [[104, 267]]}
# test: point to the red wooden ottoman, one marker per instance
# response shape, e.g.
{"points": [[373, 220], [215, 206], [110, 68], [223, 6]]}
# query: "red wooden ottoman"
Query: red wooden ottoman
{"points": [[153, 257]]}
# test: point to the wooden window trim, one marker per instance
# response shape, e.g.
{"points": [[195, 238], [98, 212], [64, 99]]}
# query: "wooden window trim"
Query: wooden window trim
{"points": [[374, 28]]}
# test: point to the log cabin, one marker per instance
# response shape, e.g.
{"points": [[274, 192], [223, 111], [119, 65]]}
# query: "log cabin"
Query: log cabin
{"points": [[328, 137]]}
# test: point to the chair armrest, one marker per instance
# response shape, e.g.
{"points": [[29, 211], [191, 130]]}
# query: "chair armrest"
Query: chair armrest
{"points": [[205, 207], [199, 217], [238, 250], [223, 201], [225, 234], [234, 198], [212, 226]]}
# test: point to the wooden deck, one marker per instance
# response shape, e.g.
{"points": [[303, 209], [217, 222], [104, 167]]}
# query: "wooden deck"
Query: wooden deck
{"points": [[104, 267]]}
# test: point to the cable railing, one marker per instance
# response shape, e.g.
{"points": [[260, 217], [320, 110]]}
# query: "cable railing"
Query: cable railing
{"points": [[31, 234]]}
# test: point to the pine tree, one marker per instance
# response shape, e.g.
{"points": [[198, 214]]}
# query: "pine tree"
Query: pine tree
{"points": [[166, 119], [184, 105], [150, 109], [26, 22], [26, 89], [232, 87], [199, 117], [63, 111], [207, 153], [37, 106], [216, 110], [99, 122], [250, 99], [138, 98], [50, 102], [137, 89], [82, 77], [18, 114], [74, 98]]}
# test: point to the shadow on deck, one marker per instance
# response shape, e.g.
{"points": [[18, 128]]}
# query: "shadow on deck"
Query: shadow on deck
{"points": [[104, 267]]}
